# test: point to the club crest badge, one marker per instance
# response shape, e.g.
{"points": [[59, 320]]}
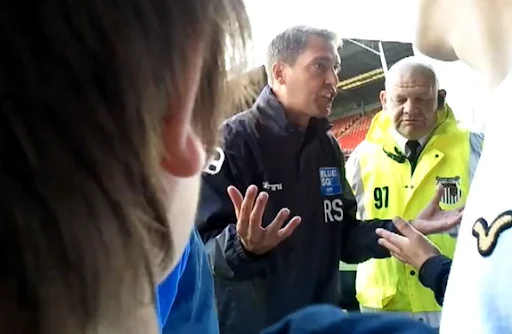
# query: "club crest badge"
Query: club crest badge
{"points": [[452, 192]]}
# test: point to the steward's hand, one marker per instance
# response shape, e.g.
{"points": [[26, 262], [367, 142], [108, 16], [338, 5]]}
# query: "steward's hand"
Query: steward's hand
{"points": [[434, 220]]}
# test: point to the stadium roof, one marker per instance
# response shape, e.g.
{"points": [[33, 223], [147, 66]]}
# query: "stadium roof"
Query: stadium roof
{"points": [[363, 60]]}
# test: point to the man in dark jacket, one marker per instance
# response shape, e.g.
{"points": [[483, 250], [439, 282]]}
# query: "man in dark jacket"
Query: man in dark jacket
{"points": [[264, 271]]}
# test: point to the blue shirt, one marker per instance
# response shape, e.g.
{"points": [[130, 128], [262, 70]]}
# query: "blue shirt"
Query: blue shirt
{"points": [[186, 298], [167, 290]]}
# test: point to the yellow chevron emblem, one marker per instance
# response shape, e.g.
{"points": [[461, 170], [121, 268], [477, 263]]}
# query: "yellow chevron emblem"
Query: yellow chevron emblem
{"points": [[487, 235]]}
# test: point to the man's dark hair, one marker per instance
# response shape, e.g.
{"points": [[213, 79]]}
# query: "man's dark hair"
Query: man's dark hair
{"points": [[289, 44], [84, 88]]}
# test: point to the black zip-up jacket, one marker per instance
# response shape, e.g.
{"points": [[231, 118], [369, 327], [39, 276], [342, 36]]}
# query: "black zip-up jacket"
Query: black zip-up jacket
{"points": [[302, 170]]}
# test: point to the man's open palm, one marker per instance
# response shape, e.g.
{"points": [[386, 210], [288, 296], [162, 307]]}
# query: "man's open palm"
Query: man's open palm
{"points": [[434, 220], [249, 213]]}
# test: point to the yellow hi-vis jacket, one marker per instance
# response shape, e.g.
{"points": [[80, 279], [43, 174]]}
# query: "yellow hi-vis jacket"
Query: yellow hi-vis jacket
{"points": [[384, 188]]}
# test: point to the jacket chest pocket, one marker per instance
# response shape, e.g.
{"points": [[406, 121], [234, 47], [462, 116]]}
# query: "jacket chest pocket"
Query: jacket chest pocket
{"points": [[281, 192]]}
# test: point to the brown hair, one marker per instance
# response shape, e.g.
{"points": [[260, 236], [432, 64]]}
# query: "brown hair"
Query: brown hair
{"points": [[84, 86], [288, 45]]}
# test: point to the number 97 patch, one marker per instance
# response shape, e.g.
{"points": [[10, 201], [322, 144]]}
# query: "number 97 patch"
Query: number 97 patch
{"points": [[330, 184]]}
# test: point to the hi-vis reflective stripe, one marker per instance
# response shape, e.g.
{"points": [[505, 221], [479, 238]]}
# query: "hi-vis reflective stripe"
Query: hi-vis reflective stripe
{"points": [[476, 144], [347, 267], [355, 180]]}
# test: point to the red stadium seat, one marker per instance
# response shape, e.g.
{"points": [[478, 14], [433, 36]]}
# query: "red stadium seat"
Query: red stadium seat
{"points": [[351, 131]]}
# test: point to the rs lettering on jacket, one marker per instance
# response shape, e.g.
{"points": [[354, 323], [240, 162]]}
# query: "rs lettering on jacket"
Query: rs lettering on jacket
{"points": [[333, 210]]}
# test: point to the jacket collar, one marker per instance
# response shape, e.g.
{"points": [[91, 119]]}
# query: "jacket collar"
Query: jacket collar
{"points": [[401, 141], [273, 115]]}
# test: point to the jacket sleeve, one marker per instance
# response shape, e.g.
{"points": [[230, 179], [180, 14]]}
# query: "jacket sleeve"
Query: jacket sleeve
{"points": [[358, 237], [216, 220], [434, 275]]}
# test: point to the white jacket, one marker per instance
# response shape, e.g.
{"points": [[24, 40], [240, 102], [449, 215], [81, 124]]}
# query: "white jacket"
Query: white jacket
{"points": [[479, 294]]}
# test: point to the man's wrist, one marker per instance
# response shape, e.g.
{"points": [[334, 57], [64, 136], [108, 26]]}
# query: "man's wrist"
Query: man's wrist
{"points": [[424, 260], [243, 252]]}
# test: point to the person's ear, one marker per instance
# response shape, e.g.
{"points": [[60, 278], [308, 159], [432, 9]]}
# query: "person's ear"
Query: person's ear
{"points": [[184, 154], [441, 98], [279, 72], [383, 99]]}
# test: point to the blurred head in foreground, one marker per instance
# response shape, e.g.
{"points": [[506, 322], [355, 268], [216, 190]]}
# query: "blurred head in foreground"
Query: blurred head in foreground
{"points": [[106, 110], [477, 32]]}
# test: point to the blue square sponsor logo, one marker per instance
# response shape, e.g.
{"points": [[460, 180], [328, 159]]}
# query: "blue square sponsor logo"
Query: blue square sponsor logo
{"points": [[330, 184]]}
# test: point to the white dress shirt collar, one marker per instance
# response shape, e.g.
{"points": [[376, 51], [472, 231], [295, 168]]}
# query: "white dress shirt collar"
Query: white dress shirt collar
{"points": [[401, 141]]}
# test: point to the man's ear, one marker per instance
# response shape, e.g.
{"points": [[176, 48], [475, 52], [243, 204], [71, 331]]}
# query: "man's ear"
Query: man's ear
{"points": [[441, 98], [279, 73], [383, 99], [184, 154]]}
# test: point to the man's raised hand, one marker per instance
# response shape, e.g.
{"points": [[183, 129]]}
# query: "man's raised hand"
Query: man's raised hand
{"points": [[249, 213]]}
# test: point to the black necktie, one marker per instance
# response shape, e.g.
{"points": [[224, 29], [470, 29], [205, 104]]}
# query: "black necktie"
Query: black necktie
{"points": [[414, 148]]}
